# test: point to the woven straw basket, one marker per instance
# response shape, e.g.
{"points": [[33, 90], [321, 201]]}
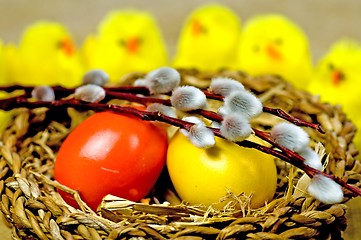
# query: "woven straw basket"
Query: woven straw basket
{"points": [[31, 204]]}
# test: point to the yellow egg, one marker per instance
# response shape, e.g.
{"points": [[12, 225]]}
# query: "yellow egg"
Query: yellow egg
{"points": [[204, 176]]}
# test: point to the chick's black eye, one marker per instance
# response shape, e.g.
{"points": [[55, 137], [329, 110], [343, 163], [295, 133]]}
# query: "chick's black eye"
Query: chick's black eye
{"points": [[278, 41], [59, 44], [204, 30], [331, 66], [140, 40], [122, 42]]}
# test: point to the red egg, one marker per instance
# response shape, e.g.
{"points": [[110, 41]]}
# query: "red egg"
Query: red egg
{"points": [[114, 154]]}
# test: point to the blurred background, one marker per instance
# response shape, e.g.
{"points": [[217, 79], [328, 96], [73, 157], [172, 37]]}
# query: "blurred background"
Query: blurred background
{"points": [[324, 22]]}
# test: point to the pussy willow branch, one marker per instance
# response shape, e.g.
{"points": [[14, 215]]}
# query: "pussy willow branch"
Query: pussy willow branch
{"points": [[126, 93], [274, 111], [61, 89], [22, 101], [205, 113], [121, 92], [307, 169], [263, 135]]}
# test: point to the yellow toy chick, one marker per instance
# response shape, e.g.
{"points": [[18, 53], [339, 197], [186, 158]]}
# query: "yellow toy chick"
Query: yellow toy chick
{"points": [[4, 65], [336, 80], [126, 41], [208, 39], [5, 116], [46, 56], [273, 44]]}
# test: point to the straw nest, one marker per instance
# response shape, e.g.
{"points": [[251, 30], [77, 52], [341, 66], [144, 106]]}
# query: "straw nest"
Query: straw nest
{"points": [[30, 202]]}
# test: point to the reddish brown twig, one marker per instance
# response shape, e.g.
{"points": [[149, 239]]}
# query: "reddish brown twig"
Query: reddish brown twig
{"points": [[129, 93]]}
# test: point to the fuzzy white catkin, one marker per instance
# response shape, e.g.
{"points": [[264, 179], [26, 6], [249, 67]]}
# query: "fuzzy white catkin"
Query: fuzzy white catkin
{"points": [[198, 134], [290, 136], [222, 111], [235, 127], [162, 80], [193, 119], [201, 136], [243, 102], [215, 124], [158, 107], [43, 93], [141, 82], [325, 189], [96, 76], [187, 98], [312, 159], [224, 85], [90, 93]]}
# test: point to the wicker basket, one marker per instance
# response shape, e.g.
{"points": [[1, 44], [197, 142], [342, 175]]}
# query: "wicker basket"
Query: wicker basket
{"points": [[30, 202]]}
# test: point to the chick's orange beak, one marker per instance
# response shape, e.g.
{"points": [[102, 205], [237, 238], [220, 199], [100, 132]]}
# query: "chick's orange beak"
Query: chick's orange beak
{"points": [[132, 45], [337, 76], [273, 52], [196, 28], [67, 46]]}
